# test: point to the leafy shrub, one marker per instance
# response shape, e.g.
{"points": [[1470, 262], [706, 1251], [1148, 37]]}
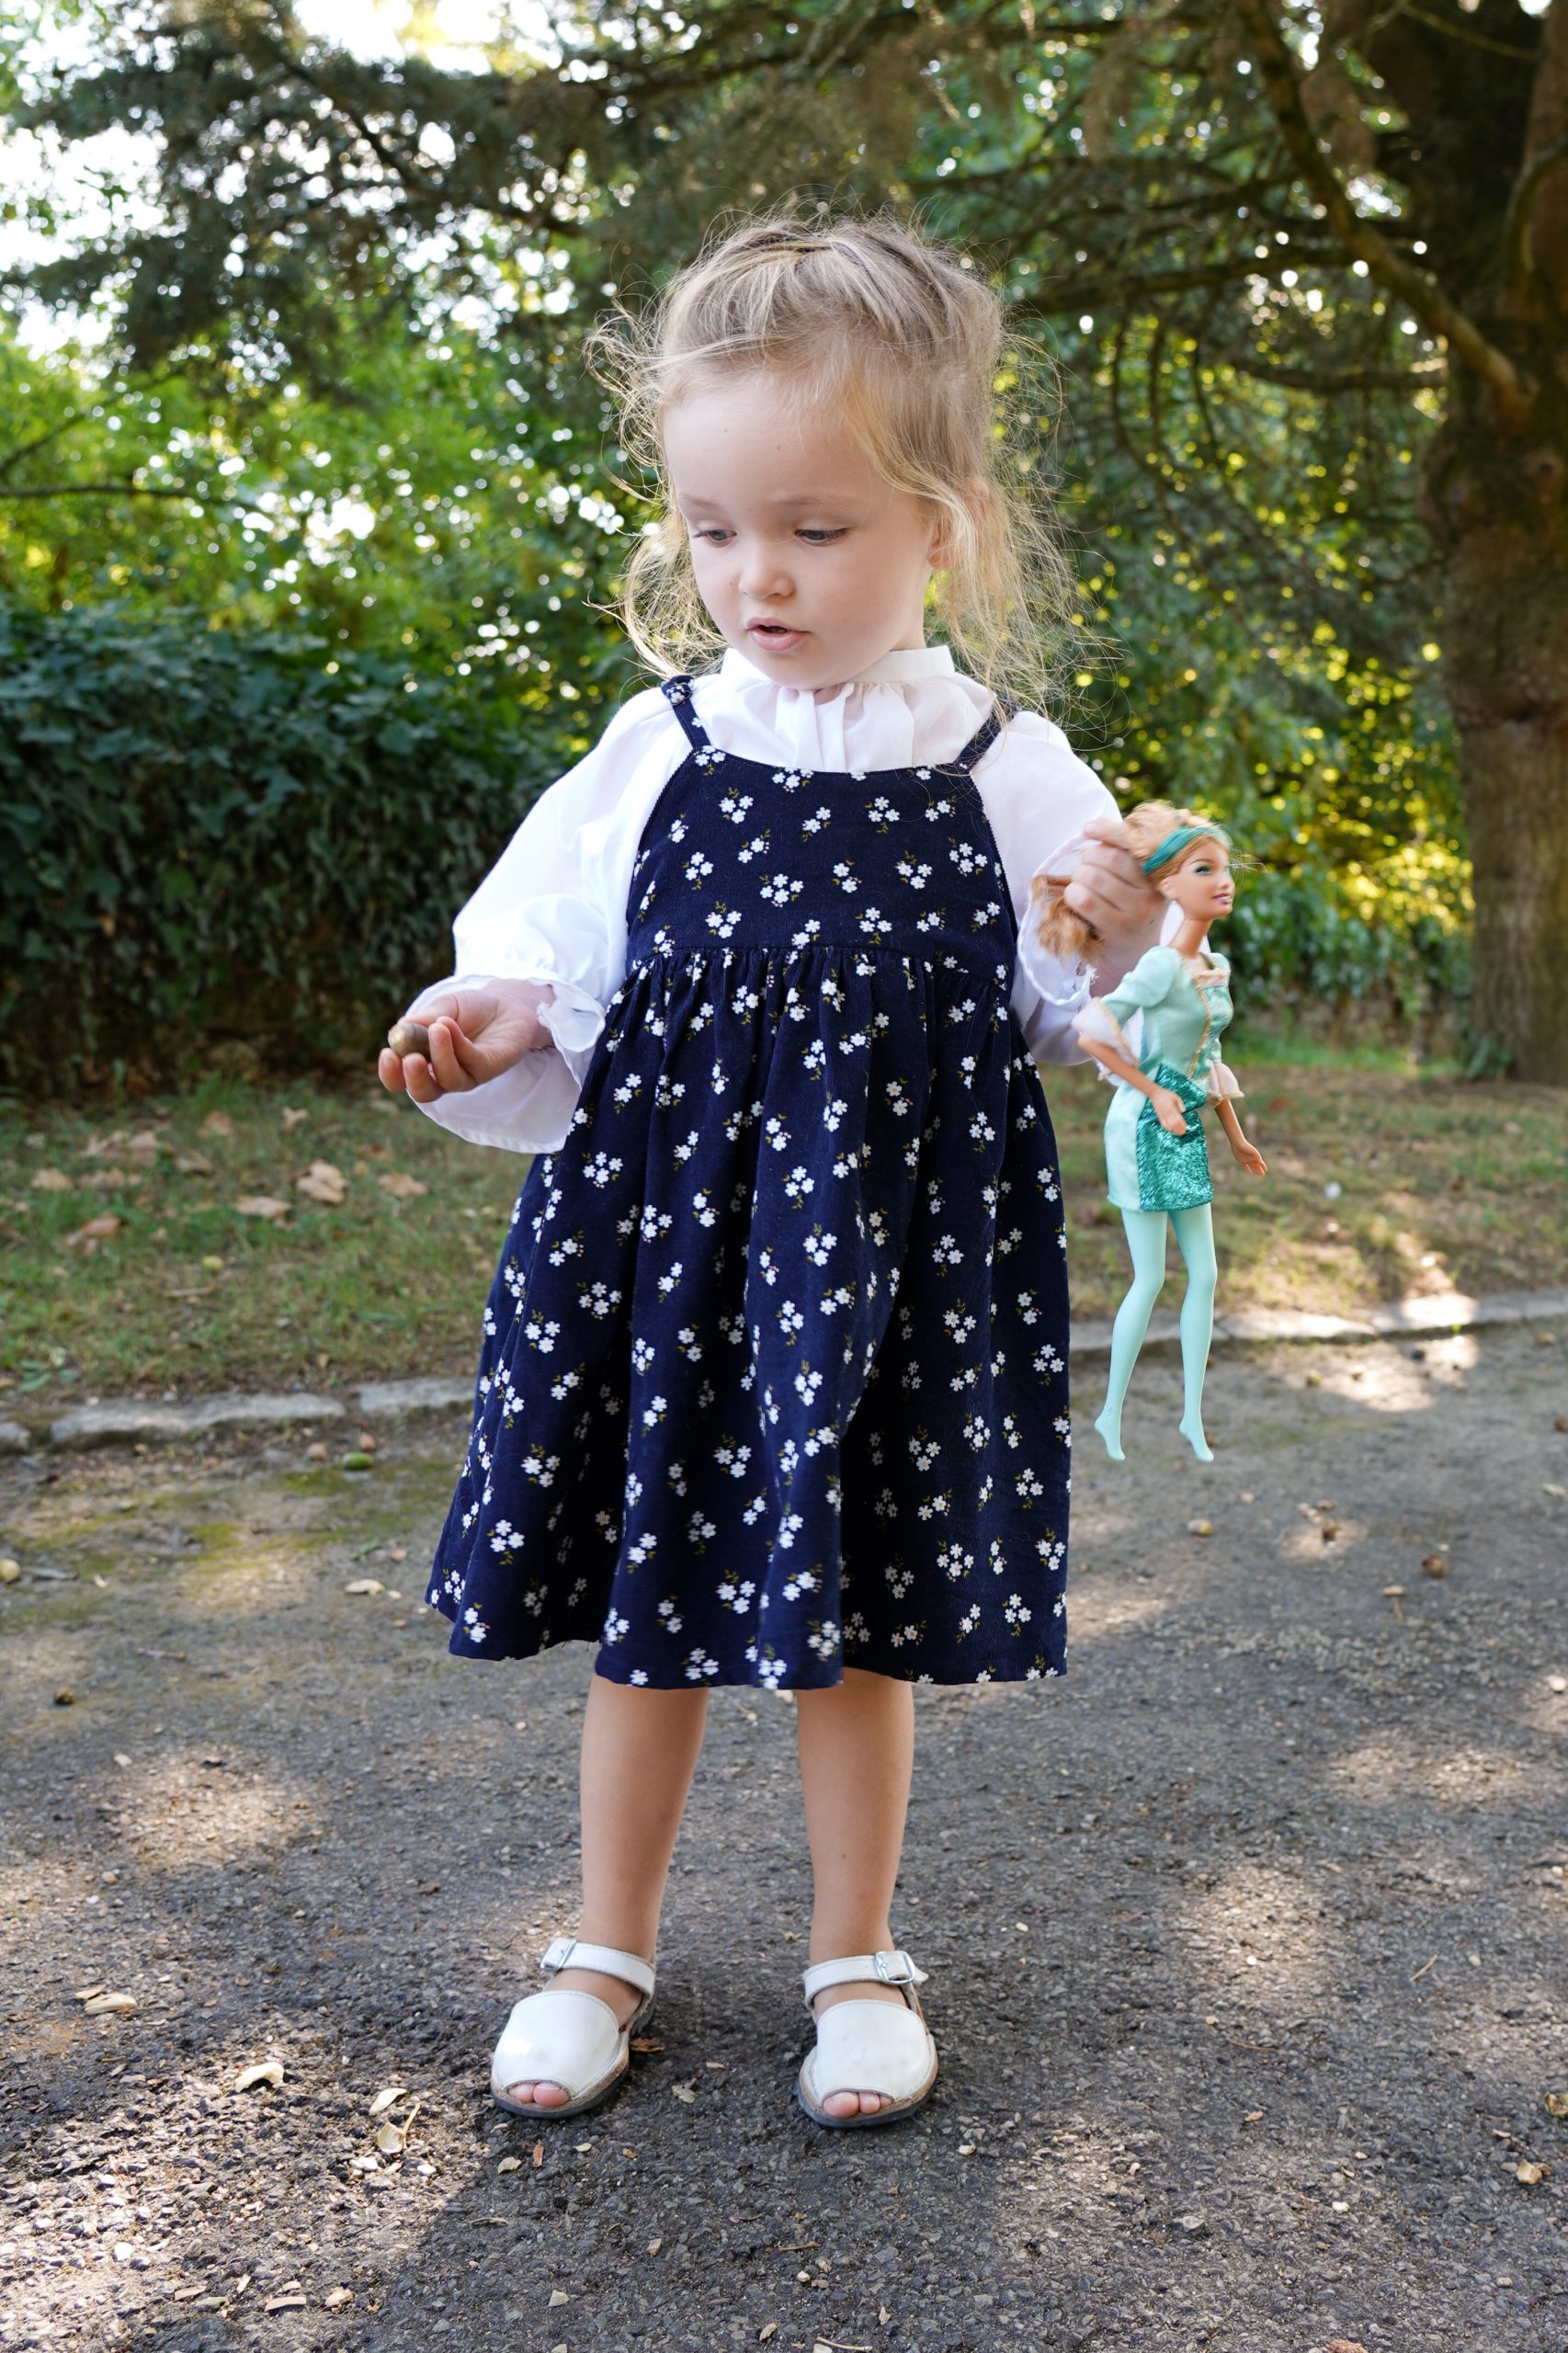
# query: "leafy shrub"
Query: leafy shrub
{"points": [[205, 836]]}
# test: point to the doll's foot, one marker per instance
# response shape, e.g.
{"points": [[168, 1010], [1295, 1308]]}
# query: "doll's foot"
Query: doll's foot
{"points": [[1109, 1427], [1191, 1429]]}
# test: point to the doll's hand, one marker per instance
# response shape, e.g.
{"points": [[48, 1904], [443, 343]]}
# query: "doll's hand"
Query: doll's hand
{"points": [[1168, 1111], [1248, 1156], [476, 1034]]}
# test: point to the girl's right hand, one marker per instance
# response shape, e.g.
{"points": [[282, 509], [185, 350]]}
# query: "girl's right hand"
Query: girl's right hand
{"points": [[476, 1034], [1168, 1111]]}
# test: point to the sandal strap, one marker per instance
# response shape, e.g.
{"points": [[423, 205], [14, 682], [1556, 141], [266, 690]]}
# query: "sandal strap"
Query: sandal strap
{"points": [[569, 1952], [859, 1968]]}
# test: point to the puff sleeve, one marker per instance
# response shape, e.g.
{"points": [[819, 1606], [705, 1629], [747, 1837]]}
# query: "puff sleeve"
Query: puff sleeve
{"points": [[1147, 984], [551, 911], [1038, 796]]}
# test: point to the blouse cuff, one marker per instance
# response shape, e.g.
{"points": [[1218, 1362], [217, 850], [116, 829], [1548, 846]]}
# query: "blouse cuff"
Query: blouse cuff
{"points": [[1222, 1083], [529, 1108], [1098, 1021]]}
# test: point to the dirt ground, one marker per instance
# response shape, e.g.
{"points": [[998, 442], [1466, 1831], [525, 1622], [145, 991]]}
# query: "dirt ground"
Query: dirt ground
{"points": [[1246, 1942]]}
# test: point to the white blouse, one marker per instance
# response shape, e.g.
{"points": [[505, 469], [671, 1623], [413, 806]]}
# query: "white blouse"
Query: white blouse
{"points": [[552, 909]]}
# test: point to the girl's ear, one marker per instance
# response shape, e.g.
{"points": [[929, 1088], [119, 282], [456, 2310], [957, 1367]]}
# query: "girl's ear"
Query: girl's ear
{"points": [[978, 494]]}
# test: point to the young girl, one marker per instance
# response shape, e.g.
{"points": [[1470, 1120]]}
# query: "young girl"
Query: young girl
{"points": [[773, 1387]]}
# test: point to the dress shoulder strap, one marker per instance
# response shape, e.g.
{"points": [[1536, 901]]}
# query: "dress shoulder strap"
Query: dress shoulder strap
{"points": [[980, 743], [677, 694]]}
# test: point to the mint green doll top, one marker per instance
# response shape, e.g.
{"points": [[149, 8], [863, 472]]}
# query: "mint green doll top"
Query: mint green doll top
{"points": [[1185, 1007]]}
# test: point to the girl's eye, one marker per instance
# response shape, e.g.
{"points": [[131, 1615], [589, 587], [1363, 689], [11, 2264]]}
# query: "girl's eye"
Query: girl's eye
{"points": [[713, 534], [817, 538]]}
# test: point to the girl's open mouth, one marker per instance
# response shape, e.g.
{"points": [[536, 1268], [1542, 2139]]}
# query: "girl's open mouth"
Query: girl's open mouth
{"points": [[774, 636]]}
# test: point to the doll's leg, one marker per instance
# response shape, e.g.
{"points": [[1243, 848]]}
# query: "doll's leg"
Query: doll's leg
{"points": [[857, 1747], [1194, 1239], [639, 1750], [1146, 1240]]}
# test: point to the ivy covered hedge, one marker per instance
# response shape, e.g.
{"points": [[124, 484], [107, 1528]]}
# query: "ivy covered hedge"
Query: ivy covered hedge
{"points": [[207, 837]]}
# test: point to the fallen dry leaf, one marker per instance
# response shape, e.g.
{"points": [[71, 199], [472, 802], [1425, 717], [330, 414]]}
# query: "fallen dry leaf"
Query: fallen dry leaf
{"points": [[365, 1585], [89, 1993], [291, 1118], [264, 2071], [558, 2296], [510, 2164], [391, 2096], [217, 1123], [98, 1229], [335, 2298], [1343, 2344], [389, 2138], [1529, 2173], [1435, 1565], [284, 2305], [1557, 2103], [770, 2328], [538, 2153], [110, 2005], [145, 1145], [50, 1180], [401, 1187], [684, 2092], [655, 2244], [264, 1205], [193, 1163], [322, 1182]]}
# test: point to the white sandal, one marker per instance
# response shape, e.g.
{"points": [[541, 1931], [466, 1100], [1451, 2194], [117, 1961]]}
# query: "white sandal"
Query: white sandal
{"points": [[869, 2046], [567, 2037]]}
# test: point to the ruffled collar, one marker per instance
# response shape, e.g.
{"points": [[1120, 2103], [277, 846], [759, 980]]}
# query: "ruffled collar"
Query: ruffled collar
{"points": [[904, 666]]}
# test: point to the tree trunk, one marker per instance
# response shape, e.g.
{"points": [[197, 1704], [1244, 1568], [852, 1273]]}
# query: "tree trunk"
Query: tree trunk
{"points": [[1504, 532]]}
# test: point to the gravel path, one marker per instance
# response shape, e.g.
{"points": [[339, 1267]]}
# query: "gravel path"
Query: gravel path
{"points": [[1245, 1942]]}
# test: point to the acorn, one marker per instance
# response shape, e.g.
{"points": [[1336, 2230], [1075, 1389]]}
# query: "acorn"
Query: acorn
{"points": [[409, 1037]]}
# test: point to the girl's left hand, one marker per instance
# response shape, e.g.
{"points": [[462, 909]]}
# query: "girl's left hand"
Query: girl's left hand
{"points": [[1248, 1156], [1114, 896]]}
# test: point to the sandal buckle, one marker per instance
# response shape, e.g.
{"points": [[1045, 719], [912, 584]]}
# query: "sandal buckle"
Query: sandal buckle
{"points": [[901, 1973], [558, 1955]]}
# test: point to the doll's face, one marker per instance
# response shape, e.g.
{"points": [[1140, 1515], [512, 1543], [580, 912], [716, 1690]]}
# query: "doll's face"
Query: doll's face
{"points": [[1201, 882]]}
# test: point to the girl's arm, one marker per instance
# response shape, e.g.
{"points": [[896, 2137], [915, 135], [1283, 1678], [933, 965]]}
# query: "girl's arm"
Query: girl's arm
{"points": [[476, 1034]]}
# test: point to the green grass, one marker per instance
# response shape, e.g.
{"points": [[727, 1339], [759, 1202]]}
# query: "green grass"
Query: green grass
{"points": [[1442, 1184]]}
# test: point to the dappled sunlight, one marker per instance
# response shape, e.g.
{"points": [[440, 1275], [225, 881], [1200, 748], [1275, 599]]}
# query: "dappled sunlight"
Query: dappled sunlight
{"points": [[1259, 1935], [187, 1810], [1101, 1608], [1380, 1377], [1391, 1771]]}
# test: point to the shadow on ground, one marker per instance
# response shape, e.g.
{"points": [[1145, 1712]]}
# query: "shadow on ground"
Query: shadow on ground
{"points": [[1241, 1941]]}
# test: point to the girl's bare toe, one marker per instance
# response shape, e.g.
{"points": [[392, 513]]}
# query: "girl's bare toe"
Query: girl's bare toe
{"points": [[540, 2095]]}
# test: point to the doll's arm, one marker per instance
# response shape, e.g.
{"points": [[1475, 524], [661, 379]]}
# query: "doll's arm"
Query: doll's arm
{"points": [[1246, 1155], [1168, 1108]]}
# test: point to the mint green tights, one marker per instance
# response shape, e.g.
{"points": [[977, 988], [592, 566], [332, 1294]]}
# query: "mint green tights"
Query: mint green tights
{"points": [[1146, 1240]]}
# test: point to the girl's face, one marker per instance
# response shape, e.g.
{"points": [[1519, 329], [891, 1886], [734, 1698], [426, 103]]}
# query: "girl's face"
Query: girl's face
{"points": [[808, 563], [1202, 884]]}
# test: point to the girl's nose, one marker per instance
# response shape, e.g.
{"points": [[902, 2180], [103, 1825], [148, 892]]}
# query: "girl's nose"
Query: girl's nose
{"points": [[764, 573]]}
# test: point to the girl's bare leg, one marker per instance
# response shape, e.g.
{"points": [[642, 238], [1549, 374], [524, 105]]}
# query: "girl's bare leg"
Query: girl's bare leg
{"points": [[857, 1747], [639, 1750]]}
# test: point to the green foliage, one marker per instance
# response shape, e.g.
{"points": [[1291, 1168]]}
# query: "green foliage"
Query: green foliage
{"points": [[203, 836]]}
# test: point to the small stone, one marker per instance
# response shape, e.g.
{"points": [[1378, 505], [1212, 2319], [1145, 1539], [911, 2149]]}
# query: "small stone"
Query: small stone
{"points": [[558, 2296], [10, 1572], [266, 2070], [337, 2298], [510, 2164], [63, 1699]]}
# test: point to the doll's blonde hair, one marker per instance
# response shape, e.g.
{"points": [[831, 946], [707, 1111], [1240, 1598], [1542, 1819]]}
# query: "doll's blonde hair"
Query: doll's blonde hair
{"points": [[1058, 930], [913, 349]]}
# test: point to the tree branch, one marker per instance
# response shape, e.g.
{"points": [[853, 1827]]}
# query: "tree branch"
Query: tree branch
{"points": [[1417, 288]]}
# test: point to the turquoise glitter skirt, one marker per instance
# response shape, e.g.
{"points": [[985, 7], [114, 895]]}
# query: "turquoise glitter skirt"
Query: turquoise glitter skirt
{"points": [[1148, 1169]]}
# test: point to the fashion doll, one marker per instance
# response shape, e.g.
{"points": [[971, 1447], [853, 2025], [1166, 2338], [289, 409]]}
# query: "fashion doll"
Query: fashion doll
{"points": [[1157, 1154]]}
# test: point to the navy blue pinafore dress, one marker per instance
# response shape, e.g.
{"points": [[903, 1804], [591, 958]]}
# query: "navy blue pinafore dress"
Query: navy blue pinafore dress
{"points": [[774, 1374]]}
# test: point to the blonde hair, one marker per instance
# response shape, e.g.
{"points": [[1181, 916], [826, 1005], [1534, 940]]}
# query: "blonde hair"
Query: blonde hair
{"points": [[1058, 930], [913, 349]]}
